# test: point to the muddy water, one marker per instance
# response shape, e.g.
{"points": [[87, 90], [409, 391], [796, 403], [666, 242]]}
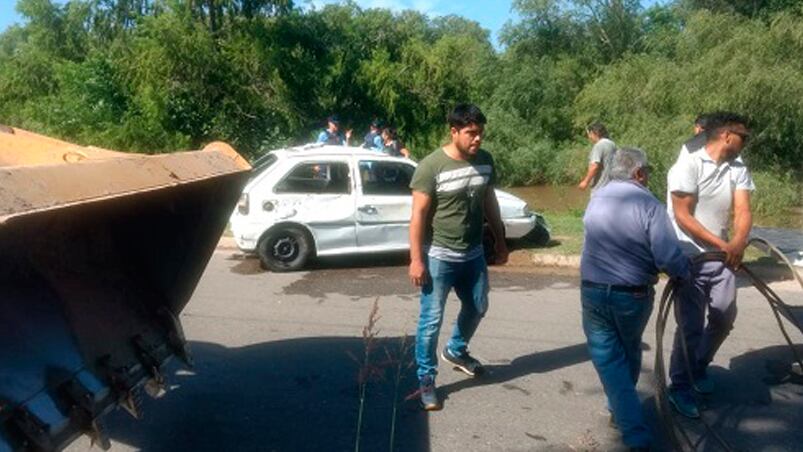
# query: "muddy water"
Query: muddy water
{"points": [[552, 198]]}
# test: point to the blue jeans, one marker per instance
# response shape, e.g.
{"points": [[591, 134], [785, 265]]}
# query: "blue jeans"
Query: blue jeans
{"points": [[470, 283], [614, 322]]}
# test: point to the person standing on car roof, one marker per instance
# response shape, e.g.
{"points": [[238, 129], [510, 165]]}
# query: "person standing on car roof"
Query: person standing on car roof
{"points": [[331, 135], [392, 145], [453, 194], [373, 139]]}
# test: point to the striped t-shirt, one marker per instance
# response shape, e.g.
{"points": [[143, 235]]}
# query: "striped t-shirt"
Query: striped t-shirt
{"points": [[457, 189]]}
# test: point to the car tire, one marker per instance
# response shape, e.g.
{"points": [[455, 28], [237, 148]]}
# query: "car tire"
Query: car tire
{"points": [[285, 249], [538, 236]]}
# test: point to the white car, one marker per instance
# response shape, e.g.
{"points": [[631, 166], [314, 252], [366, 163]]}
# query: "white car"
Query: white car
{"points": [[320, 200]]}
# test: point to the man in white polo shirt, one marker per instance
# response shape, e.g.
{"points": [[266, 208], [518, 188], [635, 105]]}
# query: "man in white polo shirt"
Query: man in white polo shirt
{"points": [[706, 186]]}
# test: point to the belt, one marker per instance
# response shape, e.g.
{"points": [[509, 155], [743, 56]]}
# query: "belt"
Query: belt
{"points": [[615, 287]]}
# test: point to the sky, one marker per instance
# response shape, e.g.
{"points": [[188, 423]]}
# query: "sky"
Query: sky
{"points": [[491, 14]]}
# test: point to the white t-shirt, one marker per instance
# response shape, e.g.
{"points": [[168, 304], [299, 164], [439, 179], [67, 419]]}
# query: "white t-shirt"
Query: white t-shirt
{"points": [[696, 173]]}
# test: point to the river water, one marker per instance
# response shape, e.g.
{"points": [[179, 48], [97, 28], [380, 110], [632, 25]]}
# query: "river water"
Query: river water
{"points": [[552, 198], [564, 198]]}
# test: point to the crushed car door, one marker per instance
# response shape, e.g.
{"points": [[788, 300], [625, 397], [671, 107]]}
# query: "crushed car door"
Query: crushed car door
{"points": [[384, 204]]}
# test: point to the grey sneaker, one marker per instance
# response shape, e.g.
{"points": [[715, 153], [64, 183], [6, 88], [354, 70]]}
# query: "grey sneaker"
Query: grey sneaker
{"points": [[465, 363], [429, 396], [684, 403]]}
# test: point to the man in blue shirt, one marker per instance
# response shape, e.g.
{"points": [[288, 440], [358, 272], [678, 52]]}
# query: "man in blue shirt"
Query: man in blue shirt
{"points": [[331, 135], [629, 238]]}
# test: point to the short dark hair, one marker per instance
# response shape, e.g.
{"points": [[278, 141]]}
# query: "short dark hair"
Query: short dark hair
{"points": [[598, 128], [464, 115], [702, 120], [721, 119], [391, 131]]}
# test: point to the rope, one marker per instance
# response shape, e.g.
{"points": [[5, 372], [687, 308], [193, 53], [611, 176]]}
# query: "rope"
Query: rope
{"points": [[678, 436]]}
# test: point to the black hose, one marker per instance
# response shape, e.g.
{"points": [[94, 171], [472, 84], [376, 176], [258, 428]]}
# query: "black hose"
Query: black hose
{"points": [[678, 437]]}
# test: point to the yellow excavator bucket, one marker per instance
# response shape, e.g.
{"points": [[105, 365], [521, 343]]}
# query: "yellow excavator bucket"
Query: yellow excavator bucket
{"points": [[99, 253]]}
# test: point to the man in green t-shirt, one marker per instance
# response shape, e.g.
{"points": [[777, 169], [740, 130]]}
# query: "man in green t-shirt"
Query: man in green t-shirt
{"points": [[453, 196]]}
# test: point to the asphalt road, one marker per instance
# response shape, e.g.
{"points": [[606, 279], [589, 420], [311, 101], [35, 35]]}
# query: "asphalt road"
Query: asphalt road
{"points": [[278, 359]]}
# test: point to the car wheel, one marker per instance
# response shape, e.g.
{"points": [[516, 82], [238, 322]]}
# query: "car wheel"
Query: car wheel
{"points": [[285, 249], [538, 236]]}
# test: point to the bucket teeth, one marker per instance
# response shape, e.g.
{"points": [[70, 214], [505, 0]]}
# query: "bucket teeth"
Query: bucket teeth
{"points": [[132, 403], [176, 337], [156, 386], [97, 435]]}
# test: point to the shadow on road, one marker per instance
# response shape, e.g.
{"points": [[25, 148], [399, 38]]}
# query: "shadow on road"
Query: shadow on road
{"points": [[289, 395], [756, 406], [539, 362]]}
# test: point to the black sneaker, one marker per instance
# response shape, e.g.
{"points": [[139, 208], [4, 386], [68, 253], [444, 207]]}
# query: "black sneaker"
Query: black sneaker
{"points": [[464, 363], [429, 397]]}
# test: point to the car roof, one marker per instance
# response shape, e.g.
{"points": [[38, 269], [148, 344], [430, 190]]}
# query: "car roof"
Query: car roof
{"points": [[321, 150]]}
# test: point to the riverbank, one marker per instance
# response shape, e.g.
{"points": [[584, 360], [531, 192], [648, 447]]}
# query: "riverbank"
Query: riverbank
{"points": [[563, 208]]}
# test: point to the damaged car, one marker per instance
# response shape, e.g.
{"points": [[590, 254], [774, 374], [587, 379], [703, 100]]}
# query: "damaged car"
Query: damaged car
{"points": [[321, 200]]}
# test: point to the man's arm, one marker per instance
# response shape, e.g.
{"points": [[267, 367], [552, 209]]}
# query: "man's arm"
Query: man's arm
{"points": [[742, 223], [422, 202], [593, 169], [491, 206], [665, 246], [683, 206]]}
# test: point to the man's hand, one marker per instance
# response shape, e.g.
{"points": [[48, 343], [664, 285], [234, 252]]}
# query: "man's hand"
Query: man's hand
{"points": [[583, 184], [348, 134], [500, 253], [734, 252], [418, 273]]}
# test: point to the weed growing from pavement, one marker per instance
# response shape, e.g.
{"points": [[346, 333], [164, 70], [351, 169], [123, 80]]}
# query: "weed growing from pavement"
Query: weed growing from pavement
{"points": [[368, 369], [372, 369], [400, 364]]}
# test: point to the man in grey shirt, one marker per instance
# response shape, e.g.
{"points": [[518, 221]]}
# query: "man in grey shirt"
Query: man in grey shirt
{"points": [[628, 240], [706, 186], [600, 158]]}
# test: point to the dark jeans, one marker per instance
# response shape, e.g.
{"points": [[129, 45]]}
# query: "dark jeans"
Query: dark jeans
{"points": [[712, 288], [614, 322]]}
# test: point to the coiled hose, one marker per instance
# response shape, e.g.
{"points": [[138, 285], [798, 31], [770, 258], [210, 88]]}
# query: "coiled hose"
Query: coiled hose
{"points": [[678, 437]]}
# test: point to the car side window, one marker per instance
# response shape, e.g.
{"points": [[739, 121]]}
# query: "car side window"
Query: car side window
{"points": [[385, 178], [316, 178]]}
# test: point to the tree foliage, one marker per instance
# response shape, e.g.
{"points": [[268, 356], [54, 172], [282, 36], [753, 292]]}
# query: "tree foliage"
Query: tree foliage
{"points": [[160, 75]]}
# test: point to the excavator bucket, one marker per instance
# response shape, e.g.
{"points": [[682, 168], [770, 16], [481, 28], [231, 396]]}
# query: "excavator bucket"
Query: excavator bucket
{"points": [[99, 253]]}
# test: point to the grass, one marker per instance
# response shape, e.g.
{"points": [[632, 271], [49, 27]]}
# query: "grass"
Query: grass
{"points": [[566, 233]]}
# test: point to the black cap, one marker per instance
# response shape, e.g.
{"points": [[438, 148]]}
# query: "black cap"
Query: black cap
{"points": [[333, 119]]}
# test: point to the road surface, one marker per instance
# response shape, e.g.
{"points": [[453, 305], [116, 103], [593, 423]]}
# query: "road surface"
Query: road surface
{"points": [[278, 360]]}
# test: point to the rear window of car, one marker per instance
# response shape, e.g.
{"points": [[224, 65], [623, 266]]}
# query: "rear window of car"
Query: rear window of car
{"points": [[316, 178], [262, 163]]}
